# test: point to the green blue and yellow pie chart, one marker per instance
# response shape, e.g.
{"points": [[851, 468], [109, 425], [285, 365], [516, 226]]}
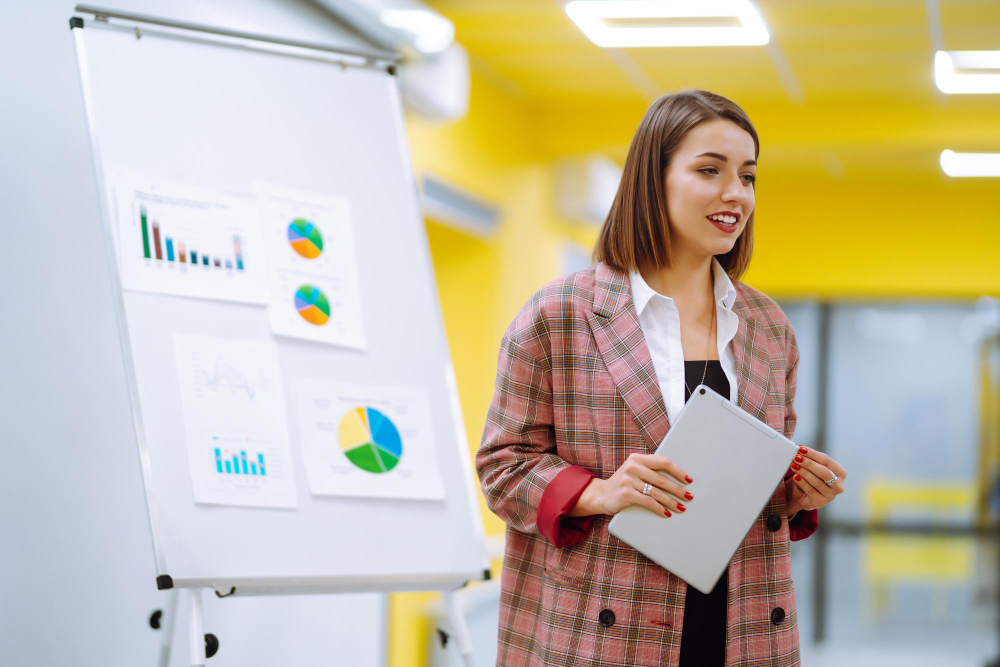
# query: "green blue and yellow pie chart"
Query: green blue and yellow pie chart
{"points": [[305, 238], [370, 440], [312, 305]]}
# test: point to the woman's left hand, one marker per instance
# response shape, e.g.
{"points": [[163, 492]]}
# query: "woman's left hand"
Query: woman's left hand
{"points": [[807, 489]]}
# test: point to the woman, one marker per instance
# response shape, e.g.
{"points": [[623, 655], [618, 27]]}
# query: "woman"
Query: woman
{"points": [[591, 373]]}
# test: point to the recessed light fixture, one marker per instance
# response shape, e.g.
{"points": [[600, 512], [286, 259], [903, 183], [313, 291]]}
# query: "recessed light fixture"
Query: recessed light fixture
{"points": [[625, 23], [970, 164], [968, 72]]}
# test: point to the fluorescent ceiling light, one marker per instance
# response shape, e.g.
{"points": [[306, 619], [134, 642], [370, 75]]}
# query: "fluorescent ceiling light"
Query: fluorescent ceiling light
{"points": [[970, 164], [957, 72], [624, 23]]}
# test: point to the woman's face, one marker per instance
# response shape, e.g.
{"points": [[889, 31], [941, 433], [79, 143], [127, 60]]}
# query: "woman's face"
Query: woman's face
{"points": [[712, 172]]}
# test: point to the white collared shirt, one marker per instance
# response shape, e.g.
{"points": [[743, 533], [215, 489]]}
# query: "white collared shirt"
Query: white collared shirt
{"points": [[661, 325]]}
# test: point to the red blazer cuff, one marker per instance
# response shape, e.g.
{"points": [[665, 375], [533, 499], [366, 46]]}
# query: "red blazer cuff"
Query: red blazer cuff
{"points": [[803, 524], [560, 496]]}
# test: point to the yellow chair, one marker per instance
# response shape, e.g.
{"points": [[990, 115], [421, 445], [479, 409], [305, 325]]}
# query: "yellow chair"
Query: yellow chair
{"points": [[938, 562]]}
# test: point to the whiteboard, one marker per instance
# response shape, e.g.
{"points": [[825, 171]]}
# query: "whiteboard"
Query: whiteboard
{"points": [[224, 113]]}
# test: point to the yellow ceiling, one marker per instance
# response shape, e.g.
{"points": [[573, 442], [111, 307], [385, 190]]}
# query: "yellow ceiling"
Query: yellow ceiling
{"points": [[845, 86]]}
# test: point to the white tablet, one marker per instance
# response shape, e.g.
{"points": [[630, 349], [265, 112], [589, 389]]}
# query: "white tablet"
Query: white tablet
{"points": [[736, 462]]}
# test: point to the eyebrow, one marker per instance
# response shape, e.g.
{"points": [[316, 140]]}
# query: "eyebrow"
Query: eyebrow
{"points": [[722, 157]]}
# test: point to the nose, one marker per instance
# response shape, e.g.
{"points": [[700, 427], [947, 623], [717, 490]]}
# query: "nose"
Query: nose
{"points": [[736, 190]]}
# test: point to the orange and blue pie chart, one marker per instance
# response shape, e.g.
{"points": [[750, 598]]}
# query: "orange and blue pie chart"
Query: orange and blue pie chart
{"points": [[312, 305], [370, 440], [305, 238]]}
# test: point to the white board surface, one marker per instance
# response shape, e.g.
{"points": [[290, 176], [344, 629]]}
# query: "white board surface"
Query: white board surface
{"points": [[225, 115]]}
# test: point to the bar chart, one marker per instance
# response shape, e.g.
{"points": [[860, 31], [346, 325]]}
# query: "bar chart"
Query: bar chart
{"points": [[243, 467], [228, 462], [154, 245], [188, 241]]}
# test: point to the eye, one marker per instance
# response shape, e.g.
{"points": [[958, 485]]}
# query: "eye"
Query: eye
{"points": [[751, 178]]}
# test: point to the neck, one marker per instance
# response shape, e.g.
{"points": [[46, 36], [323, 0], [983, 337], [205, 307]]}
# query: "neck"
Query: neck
{"points": [[684, 279]]}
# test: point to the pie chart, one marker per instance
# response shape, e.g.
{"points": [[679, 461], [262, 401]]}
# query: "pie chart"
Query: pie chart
{"points": [[312, 305], [305, 238], [370, 440]]}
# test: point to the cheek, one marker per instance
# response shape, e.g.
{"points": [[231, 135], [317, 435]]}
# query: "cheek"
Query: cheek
{"points": [[687, 197]]}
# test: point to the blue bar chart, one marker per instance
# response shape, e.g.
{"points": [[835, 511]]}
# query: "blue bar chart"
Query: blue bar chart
{"points": [[236, 463]]}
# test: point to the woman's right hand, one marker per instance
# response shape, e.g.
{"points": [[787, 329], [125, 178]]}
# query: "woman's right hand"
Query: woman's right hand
{"points": [[624, 488]]}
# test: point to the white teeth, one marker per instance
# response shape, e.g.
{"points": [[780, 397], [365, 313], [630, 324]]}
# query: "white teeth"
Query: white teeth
{"points": [[728, 219]]}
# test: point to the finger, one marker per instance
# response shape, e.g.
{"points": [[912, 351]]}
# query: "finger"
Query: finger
{"points": [[633, 497], [665, 499], [837, 468], [816, 484], [662, 482], [823, 459], [657, 462], [814, 498], [803, 499], [822, 474], [801, 463]]}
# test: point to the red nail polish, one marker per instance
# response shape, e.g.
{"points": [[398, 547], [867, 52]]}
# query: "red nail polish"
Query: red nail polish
{"points": [[667, 514], [803, 450], [795, 466], [687, 494], [680, 507], [688, 478], [799, 458], [798, 478]]}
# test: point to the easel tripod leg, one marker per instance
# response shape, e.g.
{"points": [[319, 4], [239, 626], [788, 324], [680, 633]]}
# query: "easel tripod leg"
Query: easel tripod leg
{"points": [[169, 621], [459, 628], [196, 639]]}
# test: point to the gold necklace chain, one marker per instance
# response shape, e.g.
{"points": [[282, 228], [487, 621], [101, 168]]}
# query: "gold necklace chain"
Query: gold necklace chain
{"points": [[708, 347]]}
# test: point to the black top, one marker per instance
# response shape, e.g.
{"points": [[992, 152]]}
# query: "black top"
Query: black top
{"points": [[703, 638]]}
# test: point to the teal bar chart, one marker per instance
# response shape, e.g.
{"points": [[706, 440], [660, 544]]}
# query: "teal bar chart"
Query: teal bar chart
{"points": [[237, 463]]}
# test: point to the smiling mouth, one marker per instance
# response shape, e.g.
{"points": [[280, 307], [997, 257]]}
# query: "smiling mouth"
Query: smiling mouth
{"points": [[726, 226], [724, 218]]}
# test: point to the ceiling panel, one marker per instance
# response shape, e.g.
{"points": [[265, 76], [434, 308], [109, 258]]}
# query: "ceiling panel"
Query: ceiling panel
{"points": [[867, 61]]}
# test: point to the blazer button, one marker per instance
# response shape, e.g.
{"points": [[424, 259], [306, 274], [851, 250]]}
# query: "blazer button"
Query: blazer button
{"points": [[778, 615], [774, 523], [606, 618]]}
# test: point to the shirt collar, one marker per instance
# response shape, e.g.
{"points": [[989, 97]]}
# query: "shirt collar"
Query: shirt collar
{"points": [[725, 291]]}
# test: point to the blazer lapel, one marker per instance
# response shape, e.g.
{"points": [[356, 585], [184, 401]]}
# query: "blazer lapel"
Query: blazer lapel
{"points": [[753, 370], [623, 348]]}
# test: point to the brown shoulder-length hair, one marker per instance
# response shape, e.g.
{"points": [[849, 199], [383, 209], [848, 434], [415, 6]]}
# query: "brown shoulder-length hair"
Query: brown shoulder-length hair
{"points": [[636, 232]]}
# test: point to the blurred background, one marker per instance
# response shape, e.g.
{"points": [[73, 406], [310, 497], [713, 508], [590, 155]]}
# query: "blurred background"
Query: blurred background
{"points": [[877, 230]]}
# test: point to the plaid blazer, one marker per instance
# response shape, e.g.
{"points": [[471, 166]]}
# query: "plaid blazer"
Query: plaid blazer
{"points": [[576, 386]]}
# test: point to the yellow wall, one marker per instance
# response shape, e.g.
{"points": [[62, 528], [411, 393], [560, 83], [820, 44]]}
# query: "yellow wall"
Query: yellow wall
{"points": [[847, 227]]}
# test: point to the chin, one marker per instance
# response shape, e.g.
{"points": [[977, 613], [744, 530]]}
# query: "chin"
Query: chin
{"points": [[720, 248]]}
